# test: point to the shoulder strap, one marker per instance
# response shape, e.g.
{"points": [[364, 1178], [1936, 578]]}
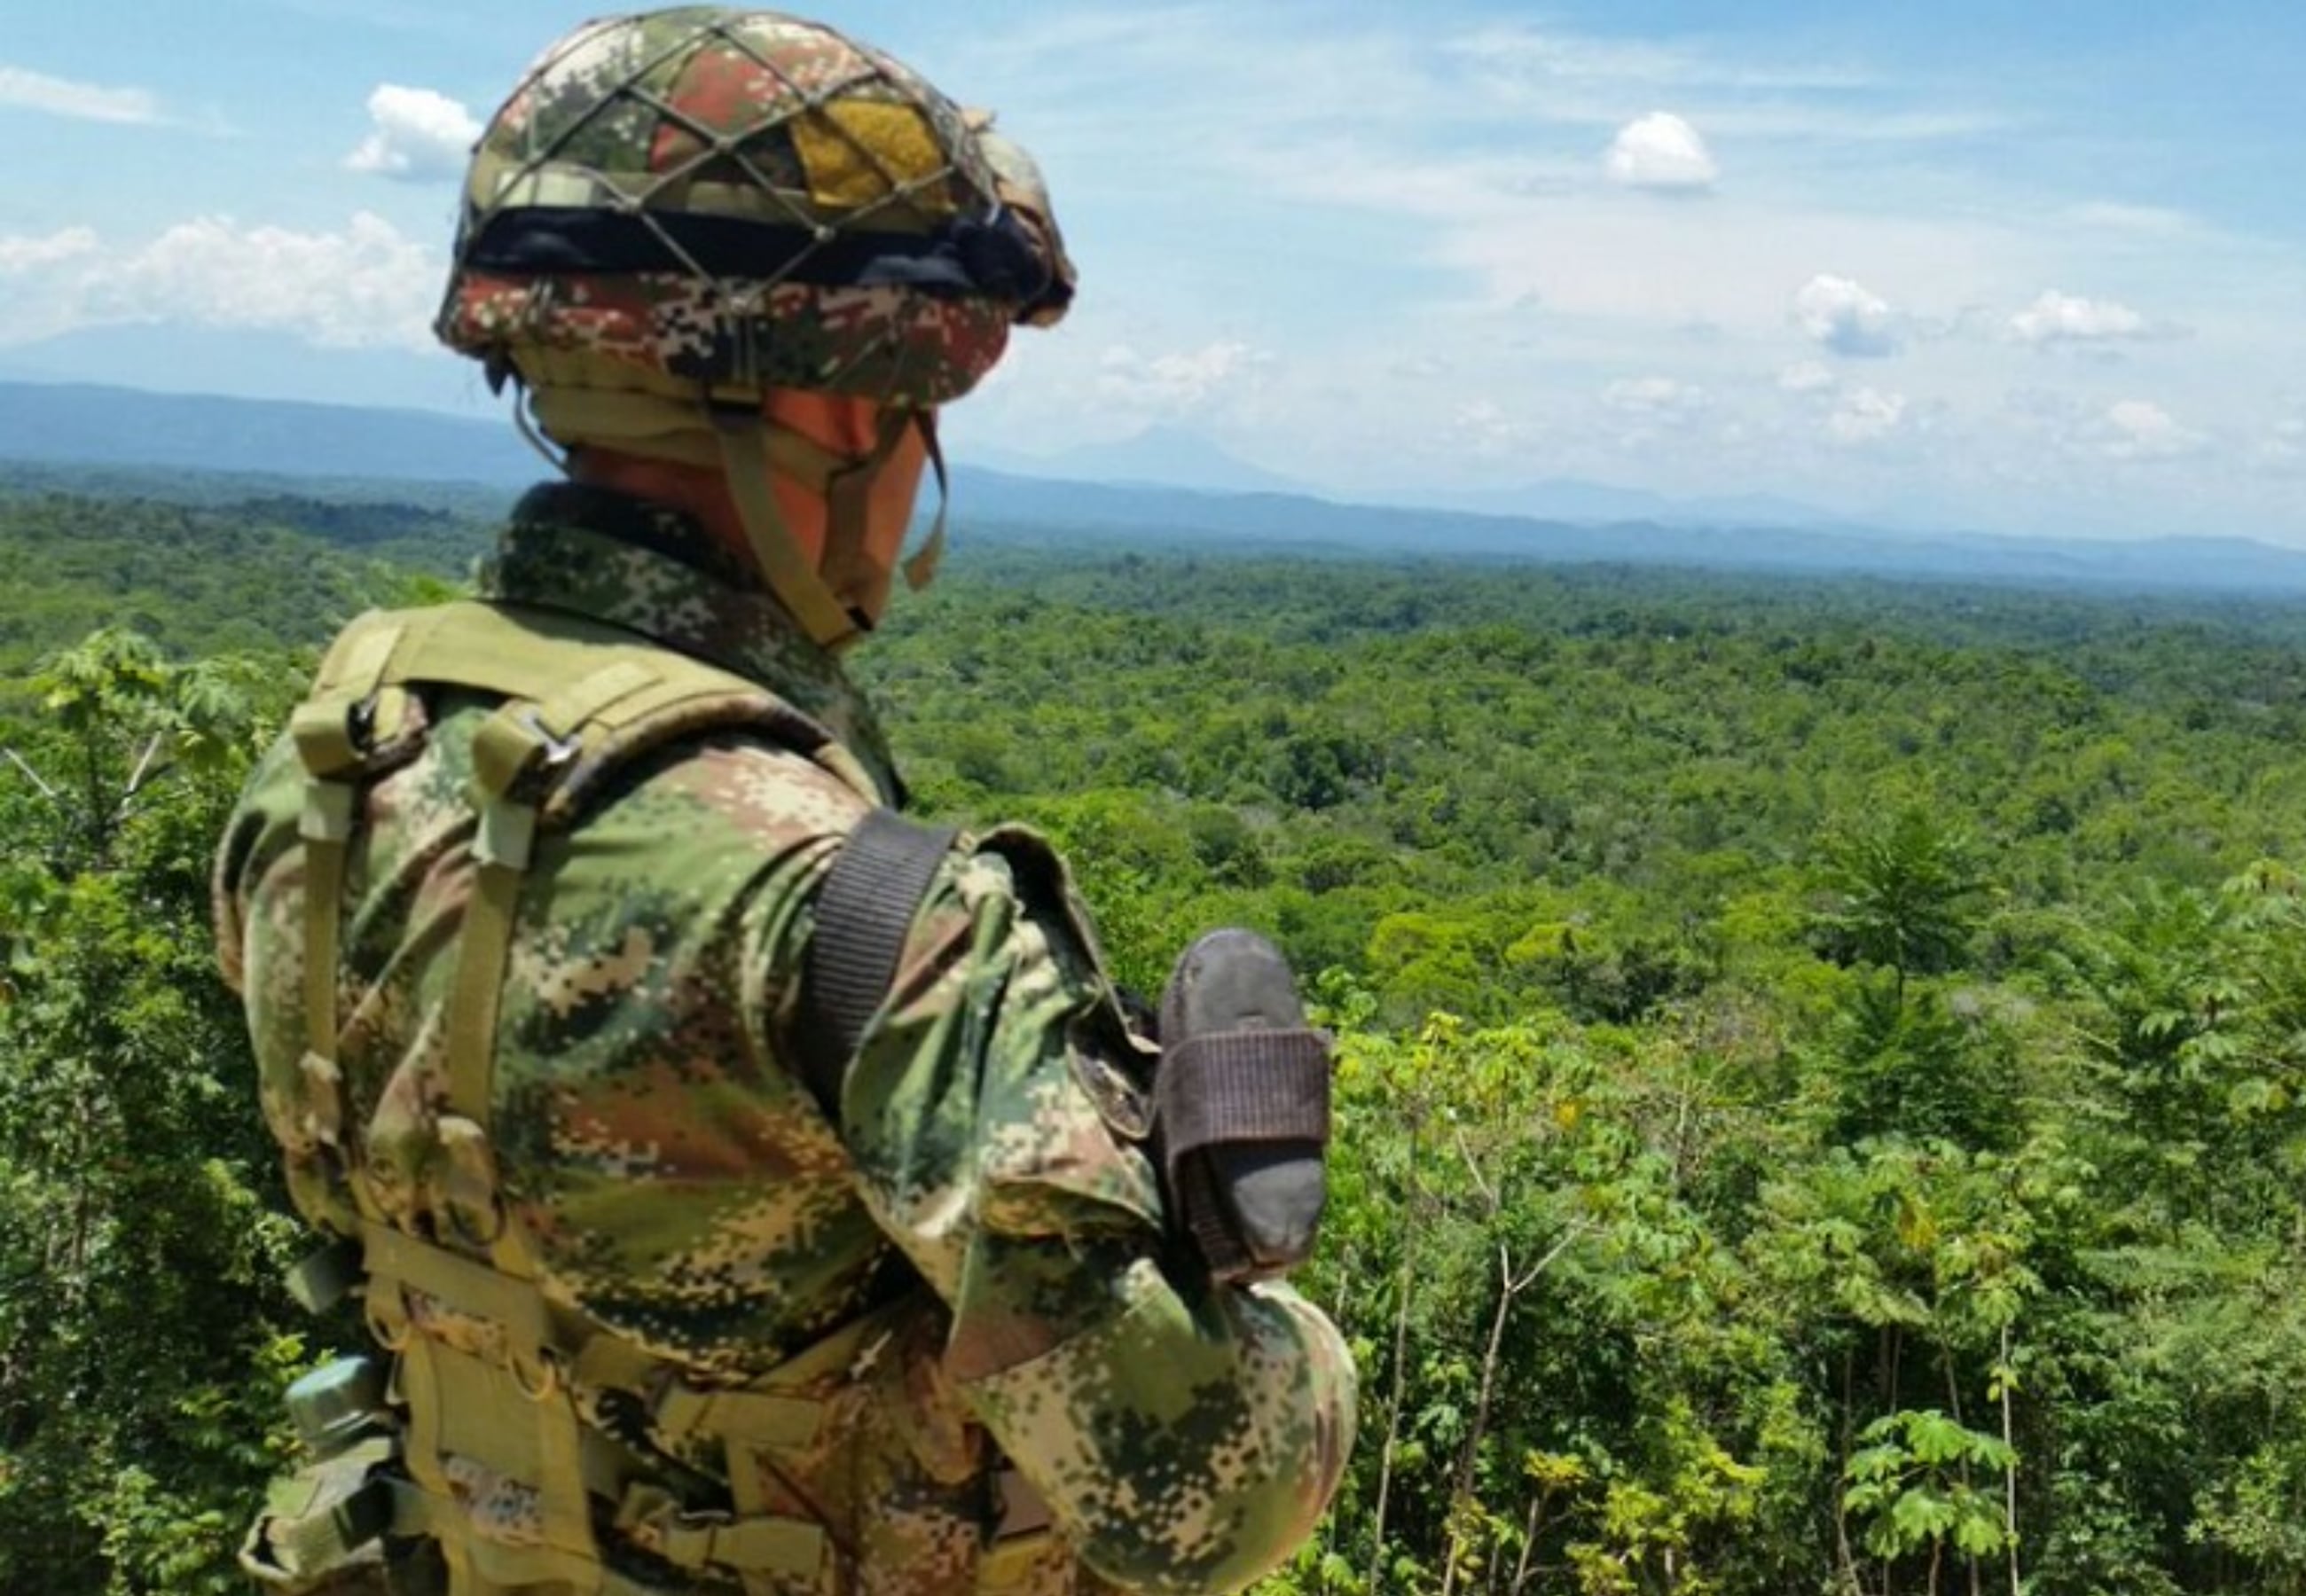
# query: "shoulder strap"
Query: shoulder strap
{"points": [[580, 700], [864, 912]]}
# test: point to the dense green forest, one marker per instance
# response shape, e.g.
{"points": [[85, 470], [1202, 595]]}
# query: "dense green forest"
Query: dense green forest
{"points": [[1822, 1063]]}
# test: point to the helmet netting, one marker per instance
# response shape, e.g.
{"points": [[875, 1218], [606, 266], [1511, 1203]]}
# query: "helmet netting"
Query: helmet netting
{"points": [[780, 144]]}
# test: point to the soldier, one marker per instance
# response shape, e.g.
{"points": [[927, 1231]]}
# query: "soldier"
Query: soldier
{"points": [[752, 1191]]}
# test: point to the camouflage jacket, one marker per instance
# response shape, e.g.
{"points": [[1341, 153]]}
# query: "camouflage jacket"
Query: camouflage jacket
{"points": [[686, 1192]]}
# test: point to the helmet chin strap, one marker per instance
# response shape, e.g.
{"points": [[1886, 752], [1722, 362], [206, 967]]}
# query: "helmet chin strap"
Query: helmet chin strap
{"points": [[848, 565], [921, 568], [744, 439], [833, 601]]}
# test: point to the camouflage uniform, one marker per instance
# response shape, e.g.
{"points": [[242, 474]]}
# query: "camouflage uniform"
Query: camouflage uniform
{"points": [[980, 1185]]}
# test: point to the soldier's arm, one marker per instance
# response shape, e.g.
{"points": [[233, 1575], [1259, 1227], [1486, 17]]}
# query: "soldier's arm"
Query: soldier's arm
{"points": [[1187, 1436]]}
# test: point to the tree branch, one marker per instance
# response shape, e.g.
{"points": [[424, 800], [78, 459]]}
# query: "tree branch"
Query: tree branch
{"points": [[137, 782], [30, 774]]}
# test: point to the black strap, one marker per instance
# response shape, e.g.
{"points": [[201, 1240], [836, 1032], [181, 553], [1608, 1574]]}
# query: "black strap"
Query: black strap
{"points": [[1244, 1085], [864, 912], [964, 255]]}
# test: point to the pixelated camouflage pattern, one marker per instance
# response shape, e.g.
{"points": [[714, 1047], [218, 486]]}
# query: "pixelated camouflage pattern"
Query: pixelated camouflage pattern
{"points": [[706, 94], [893, 345], [702, 110], [651, 570], [685, 1193]]}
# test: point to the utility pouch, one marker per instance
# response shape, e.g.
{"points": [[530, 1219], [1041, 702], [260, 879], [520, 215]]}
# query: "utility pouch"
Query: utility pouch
{"points": [[322, 1530], [1242, 1107]]}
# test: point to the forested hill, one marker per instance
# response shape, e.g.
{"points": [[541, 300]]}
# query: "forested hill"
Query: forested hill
{"points": [[202, 580], [47, 430], [1137, 517], [1823, 1101]]}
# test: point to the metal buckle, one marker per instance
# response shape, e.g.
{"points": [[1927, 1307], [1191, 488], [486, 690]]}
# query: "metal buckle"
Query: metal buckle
{"points": [[558, 750]]}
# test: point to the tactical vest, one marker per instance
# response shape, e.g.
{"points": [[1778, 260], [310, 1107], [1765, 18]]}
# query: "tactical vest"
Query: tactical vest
{"points": [[500, 1455]]}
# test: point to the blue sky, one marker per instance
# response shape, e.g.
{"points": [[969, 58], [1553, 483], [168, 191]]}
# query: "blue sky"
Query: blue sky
{"points": [[2037, 267]]}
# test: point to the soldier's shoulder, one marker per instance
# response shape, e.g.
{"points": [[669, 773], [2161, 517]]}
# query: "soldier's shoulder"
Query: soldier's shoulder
{"points": [[741, 790]]}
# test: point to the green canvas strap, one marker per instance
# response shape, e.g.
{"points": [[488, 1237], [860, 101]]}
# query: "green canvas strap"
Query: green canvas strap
{"points": [[778, 1411], [517, 1416], [745, 463], [767, 1551], [580, 699], [397, 1261], [520, 741], [328, 735], [921, 566]]}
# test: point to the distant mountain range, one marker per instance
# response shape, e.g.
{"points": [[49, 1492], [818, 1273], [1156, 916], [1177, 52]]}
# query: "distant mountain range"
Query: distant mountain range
{"points": [[1234, 505], [1162, 456], [1169, 457], [124, 426]]}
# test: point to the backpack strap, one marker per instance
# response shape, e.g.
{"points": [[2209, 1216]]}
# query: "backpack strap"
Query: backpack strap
{"points": [[865, 910], [582, 700], [579, 700], [336, 732]]}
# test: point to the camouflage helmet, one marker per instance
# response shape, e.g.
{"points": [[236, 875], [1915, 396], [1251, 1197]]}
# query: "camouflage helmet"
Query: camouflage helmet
{"points": [[677, 212], [730, 200]]}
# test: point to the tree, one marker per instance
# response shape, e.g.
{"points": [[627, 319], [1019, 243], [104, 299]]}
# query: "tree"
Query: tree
{"points": [[143, 1339], [1904, 893]]}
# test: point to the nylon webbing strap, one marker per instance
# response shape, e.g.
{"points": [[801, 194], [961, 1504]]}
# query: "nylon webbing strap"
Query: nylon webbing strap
{"points": [[472, 1008], [790, 575], [1244, 1085], [326, 830], [864, 912], [324, 732], [847, 565], [921, 566]]}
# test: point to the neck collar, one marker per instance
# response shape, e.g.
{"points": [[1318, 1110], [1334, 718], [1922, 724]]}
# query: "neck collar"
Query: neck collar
{"points": [[656, 571]]}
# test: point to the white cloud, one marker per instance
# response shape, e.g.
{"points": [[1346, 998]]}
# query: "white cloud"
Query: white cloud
{"points": [[365, 286], [2153, 219], [2281, 448], [63, 96], [1806, 376], [416, 136], [1470, 160], [1845, 317], [1178, 382], [2139, 430], [1657, 398], [1531, 57], [1485, 430], [2058, 318], [29, 254], [1866, 416], [1662, 151]]}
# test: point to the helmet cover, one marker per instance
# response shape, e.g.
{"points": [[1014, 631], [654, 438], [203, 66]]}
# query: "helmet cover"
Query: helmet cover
{"points": [[726, 201]]}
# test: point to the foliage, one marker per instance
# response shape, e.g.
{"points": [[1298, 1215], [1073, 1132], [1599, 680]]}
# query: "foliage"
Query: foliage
{"points": [[1823, 1083], [142, 1343], [202, 581]]}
